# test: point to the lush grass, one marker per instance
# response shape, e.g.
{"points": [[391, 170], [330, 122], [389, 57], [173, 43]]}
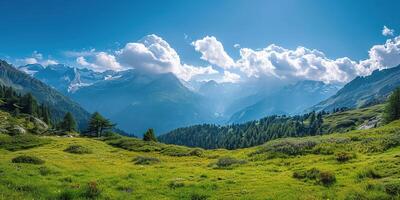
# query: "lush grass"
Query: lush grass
{"points": [[19, 142], [300, 168]]}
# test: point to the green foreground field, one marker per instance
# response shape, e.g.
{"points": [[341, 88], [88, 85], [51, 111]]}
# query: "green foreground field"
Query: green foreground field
{"points": [[361, 164]]}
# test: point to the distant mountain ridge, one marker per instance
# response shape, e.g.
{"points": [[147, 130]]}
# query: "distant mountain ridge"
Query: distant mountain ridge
{"points": [[64, 78], [58, 103], [138, 101], [363, 91], [291, 99]]}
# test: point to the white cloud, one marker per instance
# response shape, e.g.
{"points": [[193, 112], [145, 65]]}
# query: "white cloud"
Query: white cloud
{"points": [[387, 31], [237, 46], [301, 63], [213, 52], [153, 54], [230, 77], [101, 61], [381, 57], [36, 58]]}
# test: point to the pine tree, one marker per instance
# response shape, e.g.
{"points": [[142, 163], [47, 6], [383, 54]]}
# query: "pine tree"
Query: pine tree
{"points": [[392, 109], [29, 104], [98, 124], [68, 123], [149, 135]]}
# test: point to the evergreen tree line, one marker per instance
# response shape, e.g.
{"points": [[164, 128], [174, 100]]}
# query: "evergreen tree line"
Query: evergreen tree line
{"points": [[15, 103], [249, 134]]}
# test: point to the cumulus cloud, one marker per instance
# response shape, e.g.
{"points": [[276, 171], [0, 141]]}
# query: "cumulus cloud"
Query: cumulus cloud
{"points": [[154, 54], [151, 54], [387, 31], [101, 61], [381, 57], [300, 63], [237, 46], [212, 51]]}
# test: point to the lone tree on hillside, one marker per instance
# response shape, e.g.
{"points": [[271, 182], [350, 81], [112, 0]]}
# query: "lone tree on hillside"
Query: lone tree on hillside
{"points": [[149, 135], [68, 123], [98, 124], [392, 109]]}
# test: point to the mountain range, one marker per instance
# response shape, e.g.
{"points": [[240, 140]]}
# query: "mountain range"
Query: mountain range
{"points": [[135, 100], [58, 103], [363, 91]]}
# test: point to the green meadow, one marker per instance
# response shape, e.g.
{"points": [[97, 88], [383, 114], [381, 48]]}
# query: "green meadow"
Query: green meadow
{"points": [[360, 164]]}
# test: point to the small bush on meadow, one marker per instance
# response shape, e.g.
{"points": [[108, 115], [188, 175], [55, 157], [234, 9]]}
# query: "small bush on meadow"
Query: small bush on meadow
{"points": [[393, 189], [225, 162], [28, 160], [176, 184], [78, 149], [325, 178], [68, 195], [196, 152], [92, 190], [44, 171], [196, 196], [344, 156], [142, 160]]}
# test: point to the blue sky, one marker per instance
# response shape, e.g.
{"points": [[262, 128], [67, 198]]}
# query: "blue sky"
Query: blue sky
{"points": [[337, 28]]}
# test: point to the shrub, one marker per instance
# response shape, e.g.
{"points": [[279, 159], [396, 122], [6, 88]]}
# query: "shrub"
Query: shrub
{"points": [[28, 159], [44, 171], [176, 184], [68, 195], [196, 196], [142, 160], [92, 191], [78, 149], [393, 189], [228, 162], [197, 152], [344, 156], [325, 178]]}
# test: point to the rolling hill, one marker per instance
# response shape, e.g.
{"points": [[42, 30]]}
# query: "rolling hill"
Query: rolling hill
{"points": [[360, 164]]}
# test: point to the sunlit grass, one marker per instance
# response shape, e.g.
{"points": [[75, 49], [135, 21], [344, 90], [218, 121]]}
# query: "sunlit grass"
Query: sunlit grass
{"points": [[110, 172]]}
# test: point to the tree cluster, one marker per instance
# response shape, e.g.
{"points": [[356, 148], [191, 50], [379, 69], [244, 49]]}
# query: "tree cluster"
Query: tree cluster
{"points": [[15, 103], [249, 134], [392, 109]]}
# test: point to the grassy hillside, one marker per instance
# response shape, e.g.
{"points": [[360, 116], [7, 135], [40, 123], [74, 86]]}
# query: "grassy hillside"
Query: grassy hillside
{"points": [[361, 164], [353, 119]]}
